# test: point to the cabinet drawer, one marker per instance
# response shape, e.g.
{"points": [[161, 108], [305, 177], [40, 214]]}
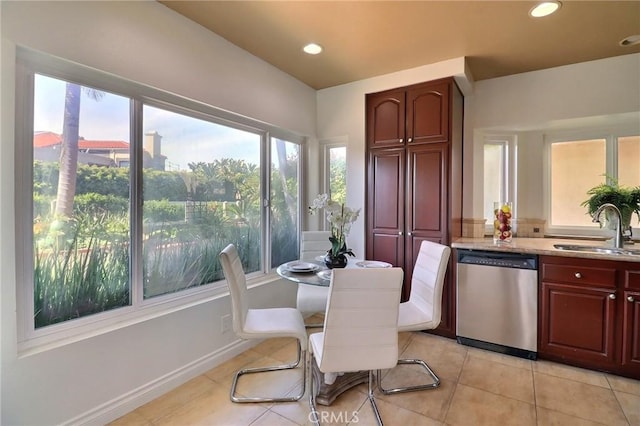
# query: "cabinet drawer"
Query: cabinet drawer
{"points": [[632, 279], [576, 274]]}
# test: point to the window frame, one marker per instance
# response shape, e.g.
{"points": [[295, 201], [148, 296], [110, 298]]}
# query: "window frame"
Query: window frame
{"points": [[326, 146], [610, 135], [29, 63], [509, 174]]}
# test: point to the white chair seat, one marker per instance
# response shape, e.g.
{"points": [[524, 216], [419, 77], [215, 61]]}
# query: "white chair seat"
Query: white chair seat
{"points": [[279, 322], [411, 314]]}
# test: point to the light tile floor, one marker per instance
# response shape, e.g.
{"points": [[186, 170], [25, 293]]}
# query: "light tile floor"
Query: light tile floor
{"points": [[477, 388]]}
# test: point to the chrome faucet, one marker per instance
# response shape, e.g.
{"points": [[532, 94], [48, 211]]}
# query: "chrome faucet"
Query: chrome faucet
{"points": [[618, 241]]}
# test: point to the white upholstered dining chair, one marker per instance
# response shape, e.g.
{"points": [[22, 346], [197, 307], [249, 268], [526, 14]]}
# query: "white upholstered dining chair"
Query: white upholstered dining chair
{"points": [[265, 323], [360, 326], [312, 299], [423, 310]]}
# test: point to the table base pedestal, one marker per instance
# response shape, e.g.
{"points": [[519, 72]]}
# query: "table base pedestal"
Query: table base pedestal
{"points": [[328, 393]]}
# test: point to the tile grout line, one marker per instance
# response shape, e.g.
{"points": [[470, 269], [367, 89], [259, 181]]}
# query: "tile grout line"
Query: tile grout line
{"points": [[584, 384], [615, 395], [455, 388], [535, 394]]}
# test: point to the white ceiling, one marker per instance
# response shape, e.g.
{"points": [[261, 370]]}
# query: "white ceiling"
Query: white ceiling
{"points": [[363, 39]]}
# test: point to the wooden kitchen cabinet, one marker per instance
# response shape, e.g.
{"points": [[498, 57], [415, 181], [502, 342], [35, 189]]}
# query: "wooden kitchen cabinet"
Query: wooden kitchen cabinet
{"points": [[631, 322], [414, 177], [589, 313], [412, 115], [385, 205], [386, 119]]}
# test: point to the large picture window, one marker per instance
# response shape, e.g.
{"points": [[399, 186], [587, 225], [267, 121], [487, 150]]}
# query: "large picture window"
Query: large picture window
{"points": [[132, 193], [579, 163]]}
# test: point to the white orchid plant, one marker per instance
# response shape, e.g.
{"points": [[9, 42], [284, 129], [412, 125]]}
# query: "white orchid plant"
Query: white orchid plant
{"points": [[340, 217]]}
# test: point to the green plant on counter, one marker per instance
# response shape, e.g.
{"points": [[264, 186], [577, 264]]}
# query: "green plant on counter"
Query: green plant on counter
{"points": [[626, 199]]}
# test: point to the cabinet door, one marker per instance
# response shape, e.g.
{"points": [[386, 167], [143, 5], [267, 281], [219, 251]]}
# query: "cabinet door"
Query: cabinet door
{"points": [[386, 119], [428, 113], [385, 206], [631, 324], [631, 333], [427, 195], [427, 215], [578, 324]]}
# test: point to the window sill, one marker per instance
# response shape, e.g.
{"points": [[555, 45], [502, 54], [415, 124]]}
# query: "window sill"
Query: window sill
{"points": [[73, 331]]}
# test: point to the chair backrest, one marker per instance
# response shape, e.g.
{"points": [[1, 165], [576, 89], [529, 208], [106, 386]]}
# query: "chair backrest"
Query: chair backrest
{"points": [[427, 280], [314, 243], [361, 320], [234, 274]]}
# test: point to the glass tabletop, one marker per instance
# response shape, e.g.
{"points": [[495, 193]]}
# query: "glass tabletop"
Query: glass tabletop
{"points": [[317, 273], [319, 277]]}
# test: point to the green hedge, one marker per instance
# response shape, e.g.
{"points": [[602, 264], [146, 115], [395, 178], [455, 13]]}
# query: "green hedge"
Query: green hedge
{"points": [[163, 211], [158, 185]]}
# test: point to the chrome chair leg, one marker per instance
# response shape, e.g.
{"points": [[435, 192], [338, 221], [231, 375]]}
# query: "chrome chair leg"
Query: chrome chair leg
{"points": [[313, 416], [434, 384], [372, 399], [301, 356]]}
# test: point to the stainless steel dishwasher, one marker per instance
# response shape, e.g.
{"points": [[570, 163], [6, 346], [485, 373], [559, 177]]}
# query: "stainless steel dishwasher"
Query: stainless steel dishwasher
{"points": [[497, 301]]}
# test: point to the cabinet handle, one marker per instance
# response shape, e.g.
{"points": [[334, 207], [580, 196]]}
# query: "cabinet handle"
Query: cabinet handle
{"points": [[401, 140], [400, 233], [612, 296], [409, 234], [631, 299], [409, 140], [578, 275]]}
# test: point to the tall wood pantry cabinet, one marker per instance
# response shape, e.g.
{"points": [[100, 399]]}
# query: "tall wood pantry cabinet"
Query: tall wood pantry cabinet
{"points": [[414, 177]]}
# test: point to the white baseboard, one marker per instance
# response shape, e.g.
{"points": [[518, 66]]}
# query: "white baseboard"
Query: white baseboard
{"points": [[128, 402]]}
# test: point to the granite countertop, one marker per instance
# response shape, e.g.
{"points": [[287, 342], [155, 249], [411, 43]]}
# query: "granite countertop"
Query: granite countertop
{"points": [[545, 246]]}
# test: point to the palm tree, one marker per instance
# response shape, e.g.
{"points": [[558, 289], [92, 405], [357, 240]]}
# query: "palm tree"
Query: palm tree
{"points": [[283, 171], [69, 150]]}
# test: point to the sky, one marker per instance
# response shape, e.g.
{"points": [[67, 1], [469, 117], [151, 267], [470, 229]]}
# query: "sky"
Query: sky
{"points": [[184, 139]]}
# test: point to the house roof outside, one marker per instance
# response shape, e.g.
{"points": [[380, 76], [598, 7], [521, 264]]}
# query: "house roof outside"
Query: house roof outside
{"points": [[110, 153], [43, 139]]}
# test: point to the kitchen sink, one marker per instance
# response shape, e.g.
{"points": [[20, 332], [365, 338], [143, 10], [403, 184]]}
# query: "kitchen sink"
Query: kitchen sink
{"points": [[598, 249]]}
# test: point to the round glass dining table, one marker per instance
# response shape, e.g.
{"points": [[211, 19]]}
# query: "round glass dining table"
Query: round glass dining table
{"points": [[322, 276]]}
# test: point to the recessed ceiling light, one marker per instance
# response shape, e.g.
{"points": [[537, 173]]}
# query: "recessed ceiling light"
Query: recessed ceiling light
{"points": [[544, 8], [630, 41], [312, 48]]}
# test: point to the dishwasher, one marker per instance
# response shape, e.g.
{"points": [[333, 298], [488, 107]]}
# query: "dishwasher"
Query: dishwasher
{"points": [[497, 302]]}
